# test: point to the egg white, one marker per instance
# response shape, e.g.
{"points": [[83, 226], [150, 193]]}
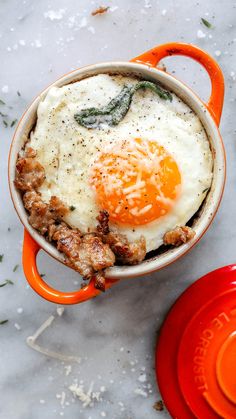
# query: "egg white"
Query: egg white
{"points": [[67, 150]]}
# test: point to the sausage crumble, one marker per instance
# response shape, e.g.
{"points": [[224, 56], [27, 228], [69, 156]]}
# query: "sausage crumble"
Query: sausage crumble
{"points": [[178, 236], [89, 254]]}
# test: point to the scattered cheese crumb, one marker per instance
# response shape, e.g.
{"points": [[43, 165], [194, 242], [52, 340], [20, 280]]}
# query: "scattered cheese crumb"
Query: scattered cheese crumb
{"points": [[20, 310], [102, 389], [142, 378], [68, 369], [83, 22], [37, 43], [86, 398], [22, 42], [54, 15], [60, 311], [91, 29], [63, 397], [164, 11], [217, 53], [140, 392], [17, 326], [5, 89], [147, 5], [103, 414], [113, 8], [201, 34]]}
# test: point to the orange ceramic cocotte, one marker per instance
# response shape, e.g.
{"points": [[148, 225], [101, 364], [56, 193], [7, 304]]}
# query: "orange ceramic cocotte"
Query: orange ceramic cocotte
{"points": [[145, 66]]}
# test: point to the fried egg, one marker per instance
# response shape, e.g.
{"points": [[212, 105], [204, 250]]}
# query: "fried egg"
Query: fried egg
{"points": [[151, 171]]}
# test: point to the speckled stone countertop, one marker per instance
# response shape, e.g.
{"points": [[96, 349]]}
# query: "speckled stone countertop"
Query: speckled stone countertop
{"points": [[115, 334]]}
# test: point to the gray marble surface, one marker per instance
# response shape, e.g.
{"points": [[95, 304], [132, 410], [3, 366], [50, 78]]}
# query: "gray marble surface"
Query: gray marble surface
{"points": [[115, 334]]}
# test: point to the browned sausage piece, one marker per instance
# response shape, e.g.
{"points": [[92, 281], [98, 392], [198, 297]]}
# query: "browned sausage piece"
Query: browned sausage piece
{"points": [[178, 236]]}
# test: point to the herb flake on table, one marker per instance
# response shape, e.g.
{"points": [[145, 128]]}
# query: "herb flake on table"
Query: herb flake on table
{"points": [[206, 23], [3, 322], [18, 93], [13, 122], [72, 208], [7, 281], [1, 258], [5, 123], [15, 268], [2, 102]]}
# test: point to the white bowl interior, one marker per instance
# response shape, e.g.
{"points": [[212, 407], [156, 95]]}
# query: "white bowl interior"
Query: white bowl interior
{"points": [[209, 208]]}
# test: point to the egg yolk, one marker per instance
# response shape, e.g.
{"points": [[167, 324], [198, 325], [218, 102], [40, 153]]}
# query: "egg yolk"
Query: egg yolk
{"points": [[137, 181]]}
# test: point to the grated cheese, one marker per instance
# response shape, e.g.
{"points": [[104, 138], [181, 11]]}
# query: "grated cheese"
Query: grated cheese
{"points": [[164, 200], [68, 369], [145, 209], [17, 326], [140, 392], [142, 378], [138, 185], [62, 398], [118, 209], [134, 195], [131, 202], [86, 398], [134, 211], [31, 342], [60, 311]]}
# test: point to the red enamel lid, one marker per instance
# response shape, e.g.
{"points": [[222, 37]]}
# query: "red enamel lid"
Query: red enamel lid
{"points": [[196, 350]]}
